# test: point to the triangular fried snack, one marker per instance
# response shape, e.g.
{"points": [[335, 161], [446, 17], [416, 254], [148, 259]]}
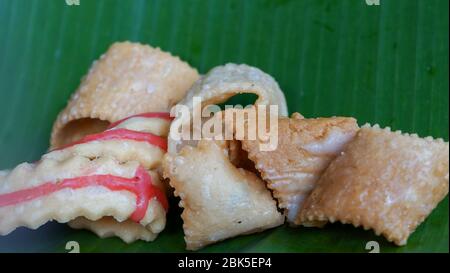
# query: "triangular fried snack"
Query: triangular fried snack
{"points": [[219, 200], [305, 149]]}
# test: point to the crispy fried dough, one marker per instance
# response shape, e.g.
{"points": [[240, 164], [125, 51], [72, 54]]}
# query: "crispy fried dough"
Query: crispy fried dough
{"points": [[220, 201], [92, 202], [385, 181], [148, 156], [117, 157], [129, 78]]}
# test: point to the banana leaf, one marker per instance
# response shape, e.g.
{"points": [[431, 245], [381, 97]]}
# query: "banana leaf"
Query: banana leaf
{"points": [[384, 63]]}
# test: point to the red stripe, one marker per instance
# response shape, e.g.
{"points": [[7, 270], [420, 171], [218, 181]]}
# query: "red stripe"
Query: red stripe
{"points": [[141, 185], [121, 134]]}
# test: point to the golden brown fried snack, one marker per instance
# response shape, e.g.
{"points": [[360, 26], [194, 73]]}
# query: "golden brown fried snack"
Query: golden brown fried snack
{"points": [[220, 201], [385, 181], [239, 157], [305, 148], [129, 78]]}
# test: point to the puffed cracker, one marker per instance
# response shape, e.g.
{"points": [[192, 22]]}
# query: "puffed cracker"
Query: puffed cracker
{"points": [[220, 201], [129, 78], [305, 148], [386, 181]]}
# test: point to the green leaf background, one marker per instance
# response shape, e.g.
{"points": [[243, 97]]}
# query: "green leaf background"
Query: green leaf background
{"points": [[385, 64]]}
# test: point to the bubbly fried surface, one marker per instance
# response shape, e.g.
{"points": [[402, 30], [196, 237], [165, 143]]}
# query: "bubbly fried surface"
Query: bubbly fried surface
{"points": [[385, 181], [305, 148], [220, 201]]}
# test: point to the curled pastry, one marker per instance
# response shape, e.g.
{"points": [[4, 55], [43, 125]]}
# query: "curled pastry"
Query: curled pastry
{"points": [[305, 149], [385, 181], [129, 78], [219, 200], [112, 173], [220, 84], [139, 137], [148, 154]]}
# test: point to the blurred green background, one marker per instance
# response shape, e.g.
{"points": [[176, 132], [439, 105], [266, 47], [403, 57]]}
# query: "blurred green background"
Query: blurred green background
{"points": [[385, 64]]}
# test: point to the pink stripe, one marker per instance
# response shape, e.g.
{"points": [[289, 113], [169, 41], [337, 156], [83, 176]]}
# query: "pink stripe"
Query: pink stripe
{"points": [[141, 185], [122, 134]]}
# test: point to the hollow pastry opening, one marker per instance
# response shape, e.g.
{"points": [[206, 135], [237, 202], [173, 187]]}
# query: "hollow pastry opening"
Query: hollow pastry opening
{"points": [[77, 129], [243, 99]]}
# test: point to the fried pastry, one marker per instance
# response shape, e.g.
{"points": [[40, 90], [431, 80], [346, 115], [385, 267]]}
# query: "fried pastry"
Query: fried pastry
{"points": [[220, 201], [305, 149], [220, 84], [116, 168], [149, 156], [33, 194], [129, 78], [139, 137], [128, 230], [239, 157], [385, 181]]}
